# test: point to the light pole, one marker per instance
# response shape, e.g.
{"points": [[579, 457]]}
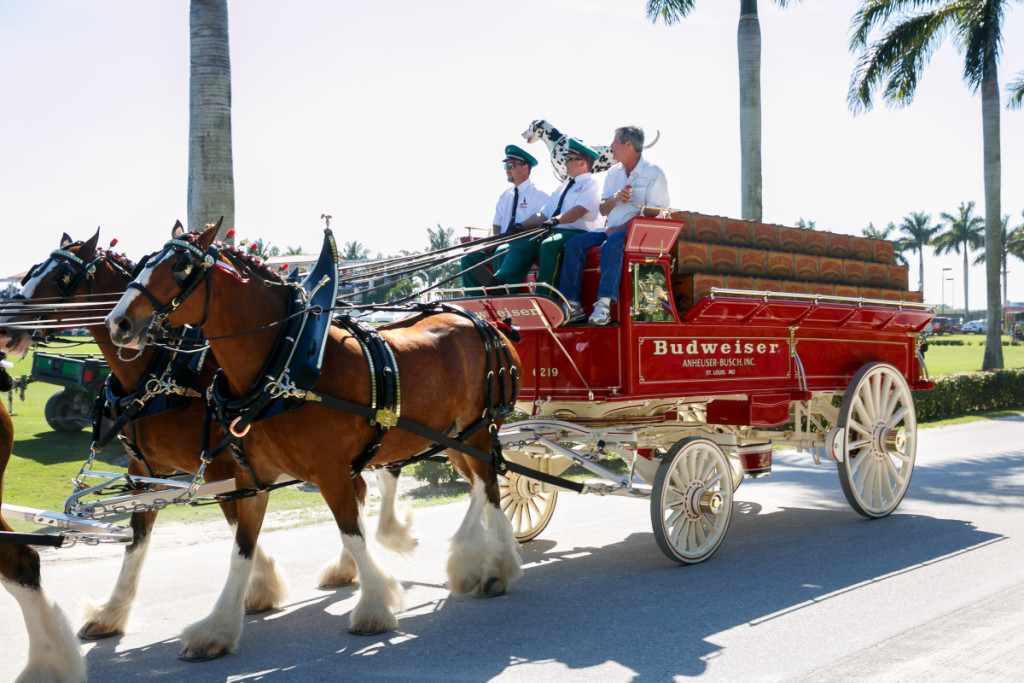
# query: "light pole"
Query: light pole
{"points": [[943, 284], [952, 289]]}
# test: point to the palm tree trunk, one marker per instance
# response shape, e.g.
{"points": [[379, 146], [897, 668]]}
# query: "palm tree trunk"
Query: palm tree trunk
{"points": [[993, 358], [920, 268], [967, 310], [211, 183], [748, 46]]}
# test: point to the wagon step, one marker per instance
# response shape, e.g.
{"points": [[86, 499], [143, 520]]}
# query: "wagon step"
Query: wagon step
{"points": [[78, 529]]}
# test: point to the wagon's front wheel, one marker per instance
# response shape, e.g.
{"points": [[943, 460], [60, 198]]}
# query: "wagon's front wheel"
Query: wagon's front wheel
{"points": [[527, 504], [691, 503], [878, 437]]}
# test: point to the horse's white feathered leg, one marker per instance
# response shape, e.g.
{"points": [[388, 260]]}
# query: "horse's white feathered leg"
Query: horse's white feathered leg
{"points": [[111, 617], [267, 586], [507, 562], [392, 532], [471, 549], [339, 572], [52, 647], [380, 595], [219, 632]]}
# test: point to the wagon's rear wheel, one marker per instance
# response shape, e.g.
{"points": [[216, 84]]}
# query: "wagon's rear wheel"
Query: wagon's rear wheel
{"points": [[527, 503], [878, 437], [66, 411], [691, 503]]}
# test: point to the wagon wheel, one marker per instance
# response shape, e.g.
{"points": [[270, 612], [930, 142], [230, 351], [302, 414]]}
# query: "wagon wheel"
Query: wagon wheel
{"points": [[878, 440], [527, 504], [691, 503]]}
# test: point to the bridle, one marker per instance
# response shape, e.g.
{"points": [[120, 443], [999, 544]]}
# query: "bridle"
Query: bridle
{"points": [[191, 270], [71, 271]]}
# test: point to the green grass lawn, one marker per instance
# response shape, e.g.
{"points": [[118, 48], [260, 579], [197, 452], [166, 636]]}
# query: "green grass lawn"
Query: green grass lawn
{"points": [[952, 360]]}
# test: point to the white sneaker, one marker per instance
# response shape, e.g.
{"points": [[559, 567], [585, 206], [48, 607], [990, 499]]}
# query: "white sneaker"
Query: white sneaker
{"points": [[602, 314]]}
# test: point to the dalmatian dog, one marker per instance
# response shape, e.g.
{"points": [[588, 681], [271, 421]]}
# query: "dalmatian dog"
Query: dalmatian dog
{"points": [[558, 145]]}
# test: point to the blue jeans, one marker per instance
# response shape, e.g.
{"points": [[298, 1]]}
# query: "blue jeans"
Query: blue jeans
{"points": [[576, 259]]}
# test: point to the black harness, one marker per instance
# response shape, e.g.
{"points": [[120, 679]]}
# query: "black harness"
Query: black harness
{"points": [[170, 383], [288, 379]]}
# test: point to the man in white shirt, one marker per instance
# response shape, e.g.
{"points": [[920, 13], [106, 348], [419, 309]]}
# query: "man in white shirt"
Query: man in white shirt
{"points": [[515, 205], [632, 183], [574, 208]]}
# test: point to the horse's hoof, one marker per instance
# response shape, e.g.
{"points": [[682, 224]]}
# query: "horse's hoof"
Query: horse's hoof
{"points": [[201, 655], [370, 632], [340, 583], [258, 610], [94, 632], [491, 588]]}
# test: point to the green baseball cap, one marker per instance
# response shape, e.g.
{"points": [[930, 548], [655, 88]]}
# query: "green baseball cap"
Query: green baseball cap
{"points": [[577, 146], [517, 153]]}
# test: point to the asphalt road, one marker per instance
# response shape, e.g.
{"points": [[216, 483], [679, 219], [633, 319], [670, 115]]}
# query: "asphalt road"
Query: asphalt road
{"points": [[802, 589]]}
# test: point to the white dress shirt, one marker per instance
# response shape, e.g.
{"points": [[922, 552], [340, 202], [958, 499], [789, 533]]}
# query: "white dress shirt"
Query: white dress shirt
{"points": [[531, 200], [585, 193], [650, 188]]}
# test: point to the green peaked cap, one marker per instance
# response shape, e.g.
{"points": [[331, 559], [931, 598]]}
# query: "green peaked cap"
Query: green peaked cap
{"points": [[578, 146], [514, 152]]}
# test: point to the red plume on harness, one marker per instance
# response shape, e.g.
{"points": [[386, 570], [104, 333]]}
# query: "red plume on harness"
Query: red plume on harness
{"points": [[505, 327]]}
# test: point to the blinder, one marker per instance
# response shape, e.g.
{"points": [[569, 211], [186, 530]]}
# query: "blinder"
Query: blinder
{"points": [[66, 278], [190, 271]]}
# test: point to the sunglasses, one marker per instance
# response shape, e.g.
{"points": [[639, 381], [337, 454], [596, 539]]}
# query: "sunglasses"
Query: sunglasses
{"points": [[513, 164], [573, 158]]}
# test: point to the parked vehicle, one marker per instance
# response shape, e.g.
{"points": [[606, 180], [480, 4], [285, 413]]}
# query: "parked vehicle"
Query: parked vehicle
{"points": [[976, 326], [943, 325], [82, 376]]}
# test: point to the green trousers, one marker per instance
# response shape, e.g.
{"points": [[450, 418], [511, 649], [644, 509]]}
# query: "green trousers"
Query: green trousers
{"points": [[470, 260], [547, 251]]}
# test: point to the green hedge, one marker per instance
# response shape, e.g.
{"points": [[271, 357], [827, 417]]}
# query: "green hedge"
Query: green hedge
{"points": [[971, 392]]}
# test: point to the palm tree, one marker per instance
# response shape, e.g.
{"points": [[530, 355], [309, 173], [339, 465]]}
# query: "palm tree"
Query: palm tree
{"points": [[748, 47], [918, 233], [354, 251], [898, 246], [911, 31], [442, 238], [211, 183], [964, 232], [1004, 241], [1015, 241], [874, 233]]}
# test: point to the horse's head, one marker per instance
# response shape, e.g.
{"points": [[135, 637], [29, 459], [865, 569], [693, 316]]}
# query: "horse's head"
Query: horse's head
{"points": [[161, 294], [66, 290]]}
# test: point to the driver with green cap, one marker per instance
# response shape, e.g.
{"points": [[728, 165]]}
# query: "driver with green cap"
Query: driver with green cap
{"points": [[515, 205], [574, 208]]}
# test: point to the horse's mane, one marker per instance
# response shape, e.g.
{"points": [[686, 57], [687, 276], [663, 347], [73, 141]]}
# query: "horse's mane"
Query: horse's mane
{"points": [[250, 265], [117, 258]]}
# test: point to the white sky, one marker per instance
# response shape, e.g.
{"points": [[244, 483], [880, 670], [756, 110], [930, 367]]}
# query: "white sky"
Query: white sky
{"points": [[393, 117]]}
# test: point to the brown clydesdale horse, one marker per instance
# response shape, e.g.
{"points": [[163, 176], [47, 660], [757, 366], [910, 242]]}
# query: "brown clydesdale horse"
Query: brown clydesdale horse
{"points": [[168, 442], [52, 648], [443, 366]]}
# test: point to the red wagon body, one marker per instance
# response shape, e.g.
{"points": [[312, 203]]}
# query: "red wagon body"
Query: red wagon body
{"points": [[728, 337]]}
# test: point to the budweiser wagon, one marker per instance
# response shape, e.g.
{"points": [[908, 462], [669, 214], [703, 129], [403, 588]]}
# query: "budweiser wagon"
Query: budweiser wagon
{"points": [[729, 337]]}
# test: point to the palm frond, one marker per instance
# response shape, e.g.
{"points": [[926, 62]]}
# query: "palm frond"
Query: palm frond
{"points": [[980, 31], [1015, 90], [669, 11], [895, 61]]}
